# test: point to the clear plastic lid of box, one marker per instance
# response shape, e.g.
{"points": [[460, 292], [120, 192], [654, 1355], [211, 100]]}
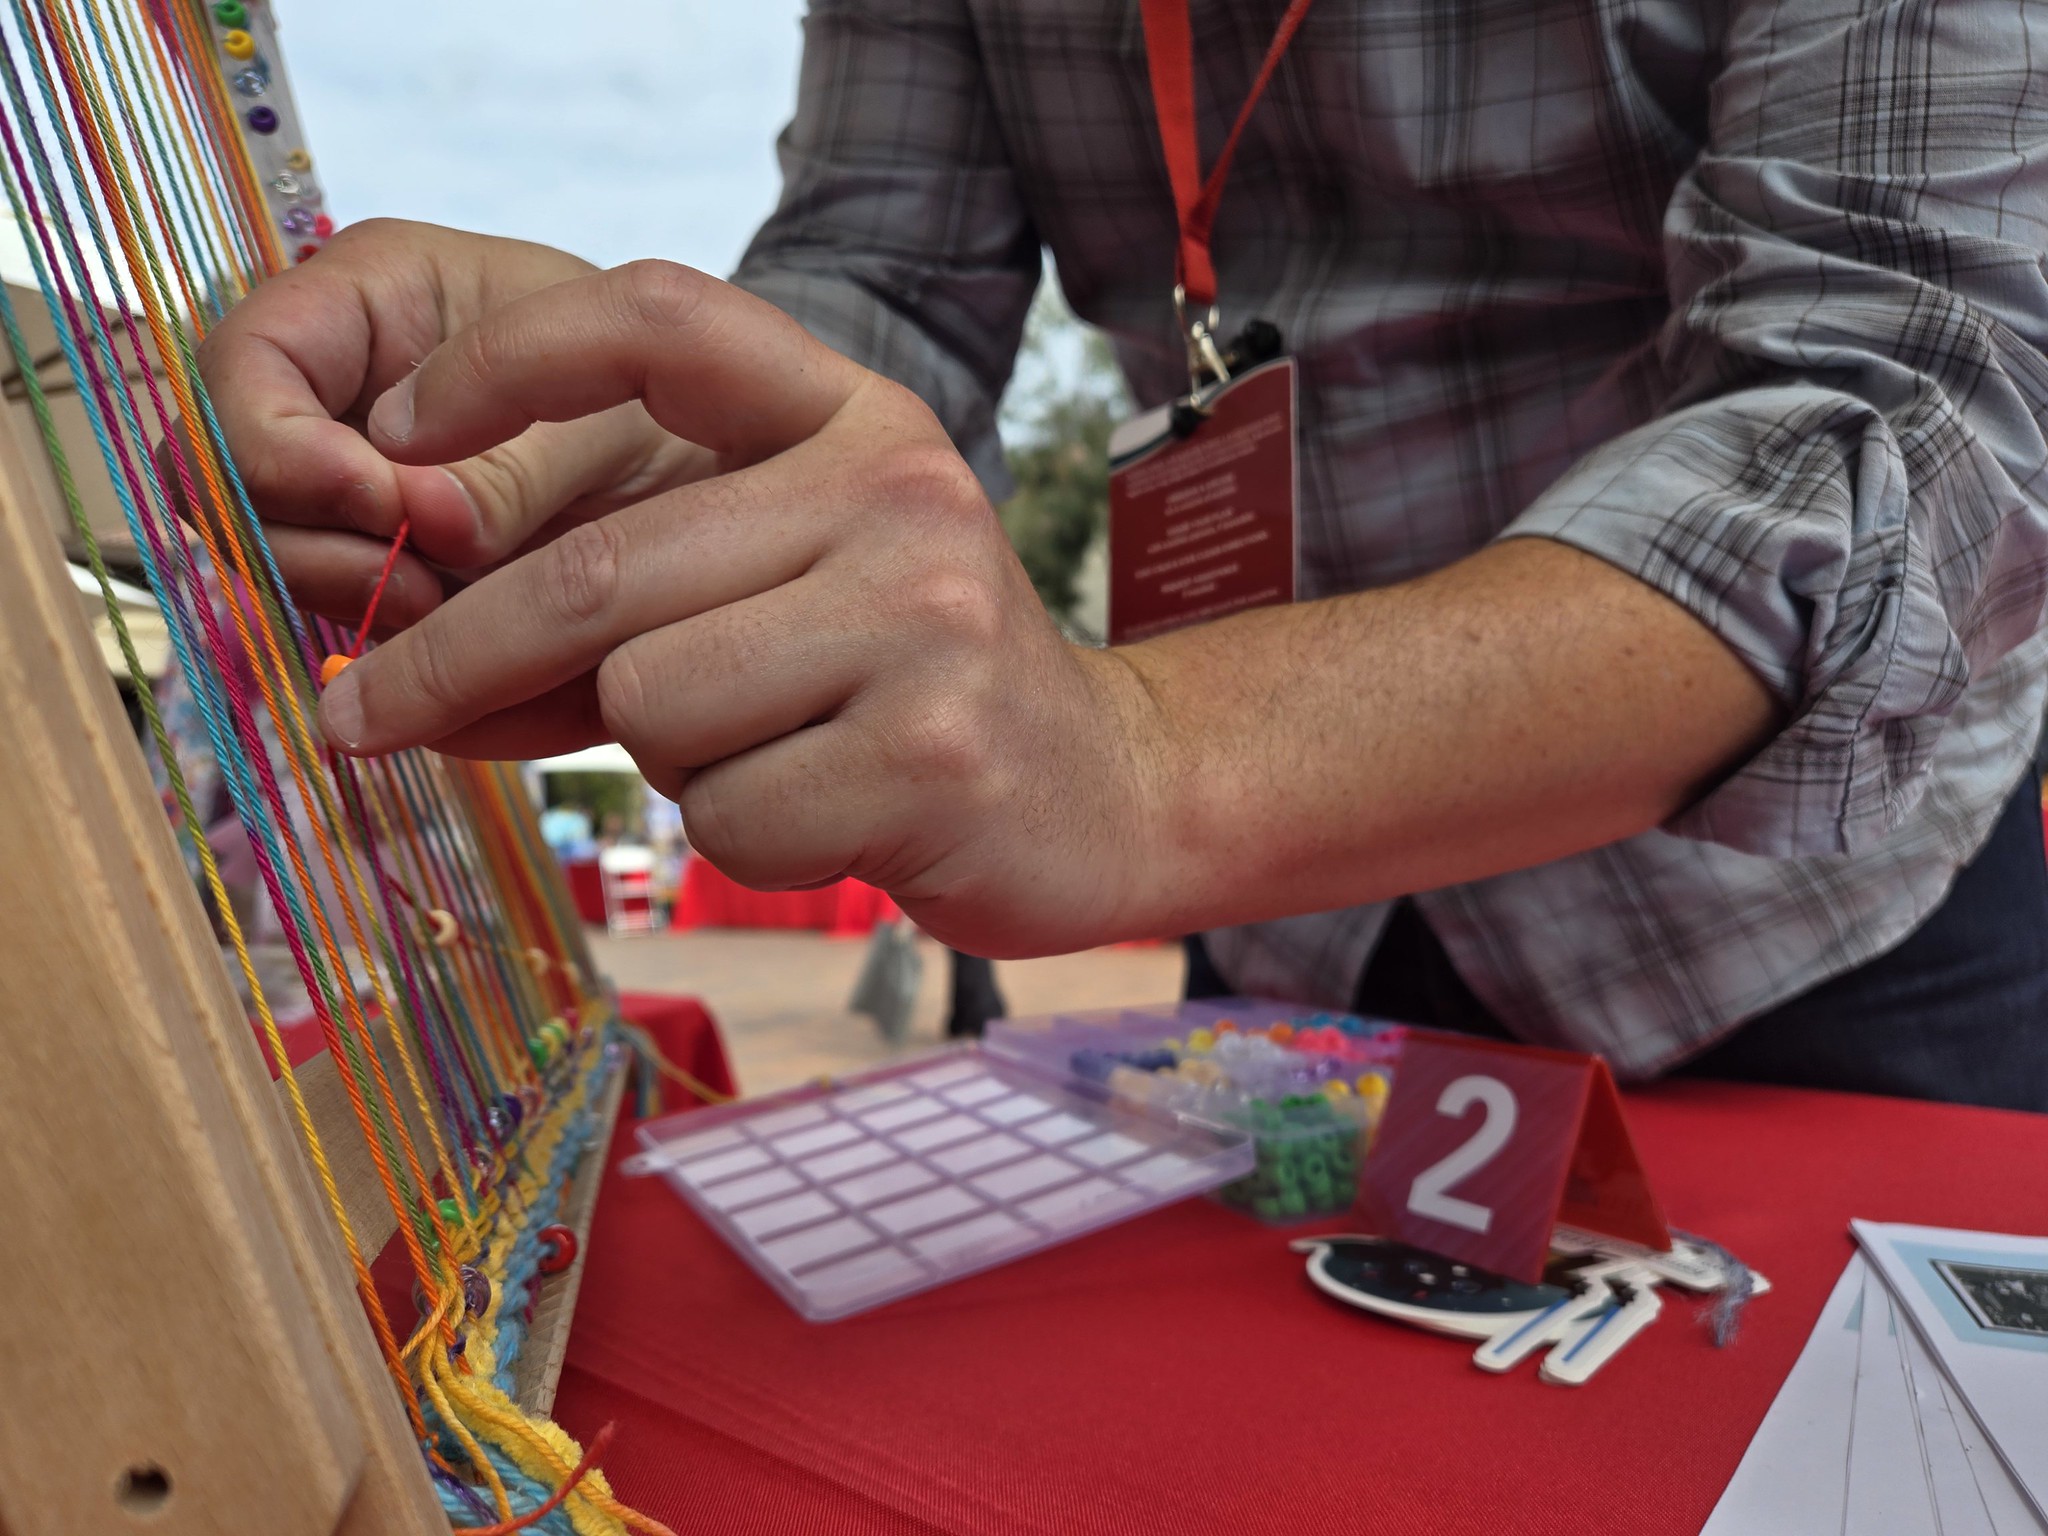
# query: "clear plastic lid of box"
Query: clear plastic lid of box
{"points": [[846, 1195]]}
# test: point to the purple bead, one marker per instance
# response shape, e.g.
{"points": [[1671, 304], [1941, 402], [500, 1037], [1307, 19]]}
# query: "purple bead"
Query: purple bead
{"points": [[514, 1110], [476, 1290], [263, 119], [297, 221]]}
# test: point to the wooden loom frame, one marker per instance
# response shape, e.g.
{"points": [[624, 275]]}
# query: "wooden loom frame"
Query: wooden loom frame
{"points": [[181, 1347]]}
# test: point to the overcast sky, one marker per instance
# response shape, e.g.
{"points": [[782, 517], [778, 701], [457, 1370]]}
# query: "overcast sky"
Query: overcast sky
{"points": [[635, 128]]}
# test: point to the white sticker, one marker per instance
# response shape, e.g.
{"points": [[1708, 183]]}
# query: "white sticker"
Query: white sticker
{"points": [[919, 1138], [984, 1232], [976, 1155], [781, 1215], [898, 1179], [980, 1091], [765, 1126], [825, 1241], [872, 1274], [925, 1210], [1058, 1130], [902, 1114], [684, 1148], [1020, 1107], [1107, 1150], [1025, 1178], [1167, 1171], [858, 1099], [803, 1143], [846, 1160], [1079, 1202], [950, 1072], [734, 1193], [709, 1170]]}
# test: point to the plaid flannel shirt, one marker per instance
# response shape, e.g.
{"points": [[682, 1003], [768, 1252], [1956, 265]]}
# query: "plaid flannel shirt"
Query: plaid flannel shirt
{"points": [[1745, 297]]}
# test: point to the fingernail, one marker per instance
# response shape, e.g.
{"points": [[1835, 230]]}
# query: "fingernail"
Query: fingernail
{"points": [[476, 513], [391, 416], [341, 711]]}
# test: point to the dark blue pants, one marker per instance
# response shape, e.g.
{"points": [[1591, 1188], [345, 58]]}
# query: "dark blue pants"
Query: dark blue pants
{"points": [[1958, 1011]]}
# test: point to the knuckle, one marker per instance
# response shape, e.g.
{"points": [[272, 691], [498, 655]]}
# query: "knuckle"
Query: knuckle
{"points": [[948, 741], [664, 295], [932, 478], [507, 486], [579, 573], [956, 606], [432, 672]]}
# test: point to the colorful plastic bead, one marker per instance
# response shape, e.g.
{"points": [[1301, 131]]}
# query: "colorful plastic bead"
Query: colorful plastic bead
{"points": [[231, 13], [557, 1250], [238, 44], [262, 119], [295, 220], [451, 1212], [1280, 1033], [1201, 1040], [253, 81], [298, 160], [514, 1109], [476, 1291], [331, 668], [323, 226]]}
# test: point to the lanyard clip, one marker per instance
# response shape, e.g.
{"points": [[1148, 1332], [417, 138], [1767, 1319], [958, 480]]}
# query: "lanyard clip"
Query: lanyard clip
{"points": [[1205, 358]]}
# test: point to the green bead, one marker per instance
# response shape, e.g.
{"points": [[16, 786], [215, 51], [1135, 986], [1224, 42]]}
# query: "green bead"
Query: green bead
{"points": [[231, 13], [451, 1212], [1267, 1208], [1293, 1204]]}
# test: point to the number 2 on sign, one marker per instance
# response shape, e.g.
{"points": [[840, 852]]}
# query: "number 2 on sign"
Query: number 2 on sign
{"points": [[1430, 1194]]}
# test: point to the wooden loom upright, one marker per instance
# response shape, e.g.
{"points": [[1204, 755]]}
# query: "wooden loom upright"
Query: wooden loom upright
{"points": [[181, 1348]]}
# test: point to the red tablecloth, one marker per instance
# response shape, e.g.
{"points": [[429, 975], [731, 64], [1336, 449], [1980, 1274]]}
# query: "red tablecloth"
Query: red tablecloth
{"points": [[687, 1035], [1178, 1374], [709, 899]]}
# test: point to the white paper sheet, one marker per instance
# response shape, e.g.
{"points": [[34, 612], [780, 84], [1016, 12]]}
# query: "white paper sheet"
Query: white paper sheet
{"points": [[1980, 1302], [1793, 1479], [1889, 1494]]}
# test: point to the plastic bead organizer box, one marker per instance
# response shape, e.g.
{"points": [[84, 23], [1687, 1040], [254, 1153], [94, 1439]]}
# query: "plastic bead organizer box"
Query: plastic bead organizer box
{"points": [[191, 1337]]}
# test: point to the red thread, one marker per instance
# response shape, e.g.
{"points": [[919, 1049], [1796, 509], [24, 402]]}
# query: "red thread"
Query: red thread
{"points": [[598, 1443], [377, 592]]}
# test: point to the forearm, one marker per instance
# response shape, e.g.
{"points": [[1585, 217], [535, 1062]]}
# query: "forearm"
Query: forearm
{"points": [[1524, 704]]}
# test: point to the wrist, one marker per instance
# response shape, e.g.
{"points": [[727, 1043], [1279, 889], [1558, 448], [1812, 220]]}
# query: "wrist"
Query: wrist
{"points": [[1154, 885]]}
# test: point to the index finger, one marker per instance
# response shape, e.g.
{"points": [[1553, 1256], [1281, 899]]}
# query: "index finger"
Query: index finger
{"points": [[712, 363]]}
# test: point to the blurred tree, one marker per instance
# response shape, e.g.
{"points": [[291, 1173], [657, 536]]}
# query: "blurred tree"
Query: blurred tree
{"points": [[599, 795], [1065, 397]]}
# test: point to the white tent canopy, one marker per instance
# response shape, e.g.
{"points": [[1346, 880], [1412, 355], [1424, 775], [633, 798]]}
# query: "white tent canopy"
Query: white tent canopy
{"points": [[609, 757]]}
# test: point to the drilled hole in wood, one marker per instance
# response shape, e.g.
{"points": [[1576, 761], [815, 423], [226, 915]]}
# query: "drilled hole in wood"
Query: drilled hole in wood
{"points": [[143, 1490]]}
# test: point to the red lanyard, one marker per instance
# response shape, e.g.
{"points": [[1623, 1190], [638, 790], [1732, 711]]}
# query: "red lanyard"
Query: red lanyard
{"points": [[1170, 55]]}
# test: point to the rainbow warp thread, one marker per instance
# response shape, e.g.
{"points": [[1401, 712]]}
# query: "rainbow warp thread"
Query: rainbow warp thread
{"points": [[148, 152]]}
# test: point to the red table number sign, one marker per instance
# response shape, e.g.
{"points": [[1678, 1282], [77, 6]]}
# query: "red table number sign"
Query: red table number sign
{"points": [[1486, 1147]]}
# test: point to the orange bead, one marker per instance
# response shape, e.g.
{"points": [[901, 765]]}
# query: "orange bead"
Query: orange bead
{"points": [[1227, 1027], [330, 669], [1280, 1034]]}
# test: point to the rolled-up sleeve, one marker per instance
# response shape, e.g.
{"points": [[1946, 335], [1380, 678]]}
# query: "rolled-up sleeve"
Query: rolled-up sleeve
{"points": [[1847, 481], [900, 238]]}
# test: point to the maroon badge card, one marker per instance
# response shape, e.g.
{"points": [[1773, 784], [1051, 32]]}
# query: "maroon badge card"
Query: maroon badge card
{"points": [[1485, 1147], [1204, 525]]}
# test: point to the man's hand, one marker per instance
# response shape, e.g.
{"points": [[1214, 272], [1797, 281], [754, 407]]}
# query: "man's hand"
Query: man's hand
{"points": [[294, 371], [829, 654]]}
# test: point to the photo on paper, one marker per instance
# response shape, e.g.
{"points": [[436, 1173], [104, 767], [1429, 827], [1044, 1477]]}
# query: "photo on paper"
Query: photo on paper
{"points": [[1999, 1298]]}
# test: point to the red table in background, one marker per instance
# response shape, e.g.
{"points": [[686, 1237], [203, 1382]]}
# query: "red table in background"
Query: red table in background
{"points": [[586, 889], [709, 899], [1178, 1374]]}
